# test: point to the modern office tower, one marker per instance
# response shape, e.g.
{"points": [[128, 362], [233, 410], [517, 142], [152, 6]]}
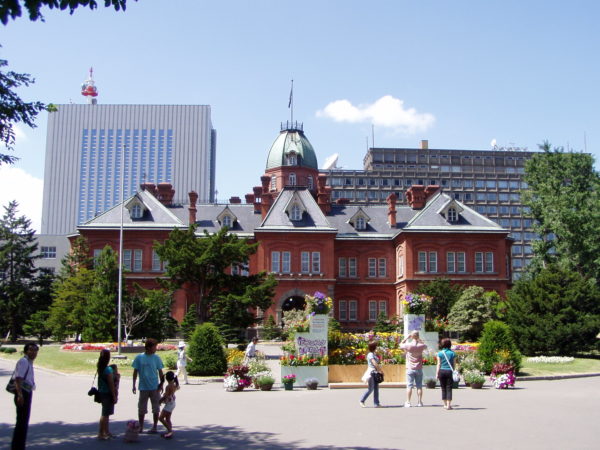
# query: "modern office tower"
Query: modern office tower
{"points": [[489, 181], [85, 164]]}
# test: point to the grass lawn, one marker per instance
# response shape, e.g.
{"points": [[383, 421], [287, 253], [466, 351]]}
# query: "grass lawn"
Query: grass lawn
{"points": [[52, 357], [579, 365]]}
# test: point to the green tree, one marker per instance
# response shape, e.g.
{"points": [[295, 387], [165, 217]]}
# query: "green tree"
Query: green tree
{"points": [[189, 322], [270, 329], [77, 258], [207, 351], [444, 294], [13, 9], [563, 196], [37, 325], [158, 323], [470, 312], [17, 272], [385, 325], [557, 312], [101, 314], [205, 262], [497, 345]]}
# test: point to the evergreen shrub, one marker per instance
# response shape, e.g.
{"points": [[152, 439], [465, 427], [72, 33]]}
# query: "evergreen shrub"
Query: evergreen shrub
{"points": [[498, 346], [207, 351]]}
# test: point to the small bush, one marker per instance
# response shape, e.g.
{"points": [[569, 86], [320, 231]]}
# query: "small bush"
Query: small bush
{"points": [[265, 380], [8, 349], [498, 346], [235, 357], [170, 361], [206, 351], [270, 329]]}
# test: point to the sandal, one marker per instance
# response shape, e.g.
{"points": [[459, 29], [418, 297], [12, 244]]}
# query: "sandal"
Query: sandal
{"points": [[168, 435]]}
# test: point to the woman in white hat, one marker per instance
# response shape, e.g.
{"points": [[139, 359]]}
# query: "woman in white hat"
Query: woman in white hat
{"points": [[182, 360]]}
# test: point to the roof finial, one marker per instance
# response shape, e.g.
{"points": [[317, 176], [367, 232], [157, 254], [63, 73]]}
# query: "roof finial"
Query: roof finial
{"points": [[291, 102], [88, 88]]}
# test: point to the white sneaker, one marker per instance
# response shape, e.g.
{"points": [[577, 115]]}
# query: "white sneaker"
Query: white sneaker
{"points": [[419, 404], [407, 404], [362, 404]]}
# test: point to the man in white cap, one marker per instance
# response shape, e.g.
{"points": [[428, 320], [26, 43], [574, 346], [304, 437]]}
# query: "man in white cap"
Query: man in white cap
{"points": [[414, 347], [182, 360]]}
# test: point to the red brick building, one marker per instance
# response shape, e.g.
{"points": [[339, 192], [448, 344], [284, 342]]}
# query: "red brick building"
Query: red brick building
{"points": [[364, 256]]}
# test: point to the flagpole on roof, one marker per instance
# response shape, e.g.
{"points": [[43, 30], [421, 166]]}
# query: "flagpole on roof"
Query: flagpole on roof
{"points": [[291, 103]]}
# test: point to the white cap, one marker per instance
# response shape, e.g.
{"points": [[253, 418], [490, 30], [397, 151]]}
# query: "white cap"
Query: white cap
{"points": [[181, 344]]}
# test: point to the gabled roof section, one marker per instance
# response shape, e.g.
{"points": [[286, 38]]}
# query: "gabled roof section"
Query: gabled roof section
{"points": [[156, 215], [295, 201], [355, 218], [451, 203], [430, 219], [227, 212], [277, 219]]}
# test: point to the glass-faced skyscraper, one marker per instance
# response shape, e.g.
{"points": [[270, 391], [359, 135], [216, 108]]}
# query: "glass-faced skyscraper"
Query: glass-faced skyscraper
{"points": [[162, 143]]}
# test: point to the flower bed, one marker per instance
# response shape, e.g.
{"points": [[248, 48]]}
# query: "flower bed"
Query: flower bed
{"points": [[97, 346], [351, 348], [551, 359], [303, 360]]}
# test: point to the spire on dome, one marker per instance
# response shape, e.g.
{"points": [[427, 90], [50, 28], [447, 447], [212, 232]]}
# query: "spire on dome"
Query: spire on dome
{"points": [[88, 88]]}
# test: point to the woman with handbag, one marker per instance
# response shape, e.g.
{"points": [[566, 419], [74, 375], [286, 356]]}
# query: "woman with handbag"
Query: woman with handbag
{"points": [[22, 384], [107, 394], [373, 368], [444, 371]]}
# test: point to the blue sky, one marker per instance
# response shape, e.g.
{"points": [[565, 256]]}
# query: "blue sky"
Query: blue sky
{"points": [[459, 74]]}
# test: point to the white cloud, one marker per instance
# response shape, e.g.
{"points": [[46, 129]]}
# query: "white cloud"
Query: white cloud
{"points": [[20, 135], [388, 112], [16, 184]]}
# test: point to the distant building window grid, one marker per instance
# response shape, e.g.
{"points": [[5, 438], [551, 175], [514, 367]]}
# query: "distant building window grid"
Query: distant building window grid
{"points": [[48, 252]]}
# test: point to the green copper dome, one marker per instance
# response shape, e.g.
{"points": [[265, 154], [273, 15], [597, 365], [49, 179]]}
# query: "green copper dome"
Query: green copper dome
{"points": [[291, 141]]}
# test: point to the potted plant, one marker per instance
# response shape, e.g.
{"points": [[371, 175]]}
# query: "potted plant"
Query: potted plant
{"points": [[236, 379], [430, 383], [265, 382], [474, 378], [288, 381], [311, 383]]}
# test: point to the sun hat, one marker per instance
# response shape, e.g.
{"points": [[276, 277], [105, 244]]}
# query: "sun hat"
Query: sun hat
{"points": [[181, 344]]}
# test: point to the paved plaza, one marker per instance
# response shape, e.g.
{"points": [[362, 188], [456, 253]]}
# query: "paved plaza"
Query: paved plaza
{"points": [[561, 414]]}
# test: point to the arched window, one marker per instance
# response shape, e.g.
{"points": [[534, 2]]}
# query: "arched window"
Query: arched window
{"points": [[296, 213], [452, 215], [292, 179], [273, 182], [310, 182], [136, 211], [292, 159]]}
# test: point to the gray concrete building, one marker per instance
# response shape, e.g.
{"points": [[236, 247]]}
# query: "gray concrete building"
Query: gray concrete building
{"points": [[489, 181]]}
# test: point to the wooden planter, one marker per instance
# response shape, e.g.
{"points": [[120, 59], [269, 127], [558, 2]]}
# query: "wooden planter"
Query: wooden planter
{"points": [[476, 385], [339, 373]]}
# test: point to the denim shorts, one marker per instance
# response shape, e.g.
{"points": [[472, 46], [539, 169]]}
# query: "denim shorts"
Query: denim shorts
{"points": [[414, 377]]}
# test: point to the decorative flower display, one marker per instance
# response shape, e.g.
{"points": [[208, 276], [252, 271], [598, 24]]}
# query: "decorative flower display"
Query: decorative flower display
{"points": [[237, 378], [349, 348], [416, 303], [318, 303], [112, 346], [303, 360], [551, 359], [291, 378], [503, 375]]}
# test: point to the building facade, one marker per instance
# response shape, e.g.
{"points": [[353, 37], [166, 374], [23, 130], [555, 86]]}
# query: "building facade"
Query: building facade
{"points": [[489, 181], [364, 256]]}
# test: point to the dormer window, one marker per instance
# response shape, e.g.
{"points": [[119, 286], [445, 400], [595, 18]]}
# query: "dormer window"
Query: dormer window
{"points": [[292, 159], [292, 179], [227, 218], [452, 215], [296, 213], [136, 211], [360, 223], [227, 221]]}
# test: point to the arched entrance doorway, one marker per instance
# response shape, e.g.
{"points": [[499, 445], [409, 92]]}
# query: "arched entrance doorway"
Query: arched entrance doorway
{"points": [[294, 302]]}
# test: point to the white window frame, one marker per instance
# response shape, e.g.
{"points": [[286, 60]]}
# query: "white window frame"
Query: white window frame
{"points": [[305, 262], [353, 310], [452, 215], [343, 310], [382, 267], [275, 262], [422, 264], [372, 267], [227, 221], [316, 262], [310, 183], [292, 159], [156, 262], [461, 266], [137, 259], [273, 186], [48, 252], [432, 266], [295, 213], [489, 262], [292, 179], [342, 268], [451, 262], [352, 268], [372, 310], [383, 307], [361, 223], [479, 262], [136, 211], [286, 262]]}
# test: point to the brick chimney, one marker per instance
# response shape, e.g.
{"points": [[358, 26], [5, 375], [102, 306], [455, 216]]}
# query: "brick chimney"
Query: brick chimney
{"points": [[150, 187], [193, 199], [266, 198], [430, 190], [415, 196], [235, 200], [391, 201], [165, 193], [323, 194], [249, 198], [257, 197]]}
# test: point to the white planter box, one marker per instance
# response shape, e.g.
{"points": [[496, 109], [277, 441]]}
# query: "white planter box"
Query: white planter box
{"points": [[414, 322], [321, 373]]}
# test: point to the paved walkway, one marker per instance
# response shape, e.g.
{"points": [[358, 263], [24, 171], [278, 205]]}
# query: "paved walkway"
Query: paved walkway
{"points": [[558, 414]]}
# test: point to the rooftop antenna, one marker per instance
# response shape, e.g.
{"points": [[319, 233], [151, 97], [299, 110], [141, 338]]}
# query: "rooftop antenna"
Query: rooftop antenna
{"points": [[88, 88], [291, 102], [373, 135]]}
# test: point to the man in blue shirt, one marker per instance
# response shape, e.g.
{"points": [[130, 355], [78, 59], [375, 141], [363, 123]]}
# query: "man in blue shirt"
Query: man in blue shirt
{"points": [[149, 367]]}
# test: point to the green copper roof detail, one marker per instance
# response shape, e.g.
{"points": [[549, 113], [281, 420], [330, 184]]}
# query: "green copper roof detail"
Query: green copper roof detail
{"points": [[289, 141]]}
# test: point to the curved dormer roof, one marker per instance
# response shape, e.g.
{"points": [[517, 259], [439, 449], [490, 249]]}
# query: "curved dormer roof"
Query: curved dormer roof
{"points": [[291, 140]]}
